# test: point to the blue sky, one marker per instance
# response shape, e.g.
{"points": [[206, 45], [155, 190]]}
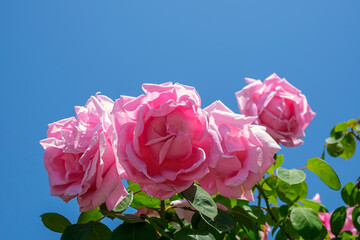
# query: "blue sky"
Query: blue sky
{"points": [[55, 54]]}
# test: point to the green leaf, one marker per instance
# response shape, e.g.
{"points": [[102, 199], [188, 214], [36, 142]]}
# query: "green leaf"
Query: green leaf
{"points": [[314, 205], [55, 222], [99, 231], [349, 146], [347, 235], [77, 231], [142, 199], [351, 122], [223, 222], [124, 204], [335, 136], [357, 127], [134, 231], [256, 213], [337, 220], [324, 172], [227, 202], [350, 194], [323, 234], [356, 218], [269, 188], [190, 234], [91, 215], [335, 149], [133, 186], [281, 235], [306, 222], [201, 201], [291, 176], [199, 223], [291, 193], [245, 221], [278, 162], [293, 234], [341, 127]]}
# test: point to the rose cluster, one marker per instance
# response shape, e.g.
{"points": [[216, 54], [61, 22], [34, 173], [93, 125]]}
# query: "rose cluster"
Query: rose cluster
{"points": [[164, 141]]}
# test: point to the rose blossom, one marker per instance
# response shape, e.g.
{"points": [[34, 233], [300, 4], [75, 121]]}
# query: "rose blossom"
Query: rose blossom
{"points": [[79, 157], [247, 153], [325, 219], [279, 106], [163, 138]]}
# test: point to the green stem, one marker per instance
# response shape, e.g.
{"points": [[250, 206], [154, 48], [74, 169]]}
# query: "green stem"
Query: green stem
{"points": [[266, 202], [303, 168], [270, 177], [163, 210], [269, 209], [179, 221], [355, 135]]}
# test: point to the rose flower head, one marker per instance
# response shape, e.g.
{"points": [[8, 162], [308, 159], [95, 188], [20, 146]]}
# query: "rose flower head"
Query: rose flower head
{"points": [[164, 142], [80, 160], [248, 152], [277, 105]]}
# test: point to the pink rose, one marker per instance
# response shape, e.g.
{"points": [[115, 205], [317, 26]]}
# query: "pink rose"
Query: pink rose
{"points": [[80, 160], [279, 106], [185, 210], [325, 219], [247, 153], [163, 141]]}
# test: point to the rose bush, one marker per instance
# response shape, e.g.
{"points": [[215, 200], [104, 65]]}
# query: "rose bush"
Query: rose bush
{"points": [[79, 157], [180, 159], [164, 142], [277, 105], [247, 153]]}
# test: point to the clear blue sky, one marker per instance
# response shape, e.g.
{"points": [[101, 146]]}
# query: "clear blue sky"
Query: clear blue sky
{"points": [[55, 54]]}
